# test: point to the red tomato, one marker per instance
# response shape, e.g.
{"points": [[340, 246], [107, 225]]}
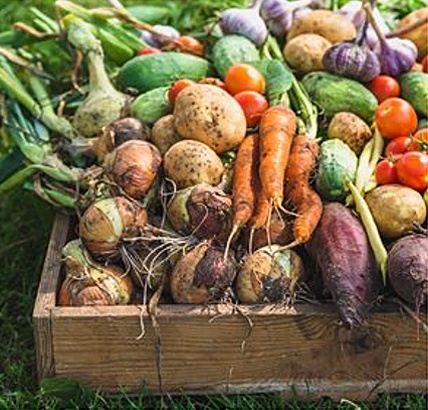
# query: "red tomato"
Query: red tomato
{"points": [[253, 104], [412, 170], [384, 87], [148, 50], [398, 145], [191, 45], [420, 141], [244, 77], [213, 81], [386, 172], [425, 64], [396, 118], [176, 88]]}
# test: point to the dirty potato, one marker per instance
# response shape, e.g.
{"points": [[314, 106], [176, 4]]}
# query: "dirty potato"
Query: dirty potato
{"points": [[190, 163], [210, 115], [164, 135]]}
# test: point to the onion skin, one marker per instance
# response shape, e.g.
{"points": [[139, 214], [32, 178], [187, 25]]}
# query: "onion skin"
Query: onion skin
{"points": [[106, 223], [119, 132], [269, 275], [202, 275], [90, 284], [408, 269], [203, 211], [134, 166]]}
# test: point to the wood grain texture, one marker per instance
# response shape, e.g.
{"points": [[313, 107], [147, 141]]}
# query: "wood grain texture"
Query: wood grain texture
{"points": [[301, 351], [46, 296]]}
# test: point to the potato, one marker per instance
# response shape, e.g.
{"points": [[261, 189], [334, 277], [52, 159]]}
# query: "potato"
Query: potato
{"points": [[305, 52], [351, 129], [419, 35], [208, 114], [190, 163], [396, 209], [164, 135], [332, 26]]}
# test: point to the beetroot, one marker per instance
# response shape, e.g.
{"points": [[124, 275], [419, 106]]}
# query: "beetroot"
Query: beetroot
{"points": [[342, 251], [408, 269]]}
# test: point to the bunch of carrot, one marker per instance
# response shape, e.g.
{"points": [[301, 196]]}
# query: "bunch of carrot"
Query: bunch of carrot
{"points": [[272, 164]]}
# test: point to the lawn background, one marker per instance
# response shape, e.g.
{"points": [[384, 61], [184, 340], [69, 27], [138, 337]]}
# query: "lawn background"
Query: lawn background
{"points": [[25, 224]]}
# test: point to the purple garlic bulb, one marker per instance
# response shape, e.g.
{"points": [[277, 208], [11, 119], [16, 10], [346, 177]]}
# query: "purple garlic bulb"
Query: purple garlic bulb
{"points": [[397, 56], [158, 41], [350, 59]]}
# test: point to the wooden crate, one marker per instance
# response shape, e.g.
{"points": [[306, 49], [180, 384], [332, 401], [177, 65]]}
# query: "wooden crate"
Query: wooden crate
{"points": [[299, 352]]}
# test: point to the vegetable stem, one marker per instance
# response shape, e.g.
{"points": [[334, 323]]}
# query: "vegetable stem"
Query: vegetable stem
{"points": [[369, 223]]}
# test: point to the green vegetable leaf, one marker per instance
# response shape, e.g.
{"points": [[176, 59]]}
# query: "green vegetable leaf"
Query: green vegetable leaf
{"points": [[278, 79]]}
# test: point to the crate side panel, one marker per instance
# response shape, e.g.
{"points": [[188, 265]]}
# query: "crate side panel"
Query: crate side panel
{"points": [[206, 354]]}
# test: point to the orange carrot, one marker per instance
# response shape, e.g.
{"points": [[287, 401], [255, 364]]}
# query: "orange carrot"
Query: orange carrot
{"points": [[245, 176], [261, 215], [277, 128], [299, 192]]}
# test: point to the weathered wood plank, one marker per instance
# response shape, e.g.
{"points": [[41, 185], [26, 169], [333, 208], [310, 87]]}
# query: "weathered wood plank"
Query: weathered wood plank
{"points": [[302, 351], [46, 296]]}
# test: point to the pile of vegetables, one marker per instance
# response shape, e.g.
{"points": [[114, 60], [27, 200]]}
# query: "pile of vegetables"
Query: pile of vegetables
{"points": [[286, 143]]}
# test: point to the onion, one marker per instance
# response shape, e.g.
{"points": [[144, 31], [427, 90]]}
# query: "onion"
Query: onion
{"points": [[201, 210], [269, 275], [104, 104], [107, 222], [203, 275], [88, 283], [133, 167]]}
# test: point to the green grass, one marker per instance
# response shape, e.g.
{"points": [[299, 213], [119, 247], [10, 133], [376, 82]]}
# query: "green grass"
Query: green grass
{"points": [[25, 224]]}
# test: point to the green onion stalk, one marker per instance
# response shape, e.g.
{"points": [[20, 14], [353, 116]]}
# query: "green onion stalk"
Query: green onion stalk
{"points": [[300, 102], [41, 107]]}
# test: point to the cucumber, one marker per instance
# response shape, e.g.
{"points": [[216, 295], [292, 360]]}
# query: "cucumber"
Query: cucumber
{"points": [[337, 166], [232, 49], [414, 89], [145, 73], [149, 14], [151, 106], [337, 94]]}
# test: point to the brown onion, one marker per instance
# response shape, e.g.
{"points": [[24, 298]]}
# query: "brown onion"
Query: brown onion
{"points": [[203, 275], [119, 132], [133, 167], [106, 223], [201, 210], [90, 284], [269, 275]]}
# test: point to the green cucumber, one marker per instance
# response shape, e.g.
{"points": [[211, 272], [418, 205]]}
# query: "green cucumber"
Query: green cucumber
{"points": [[145, 73], [151, 106], [336, 94], [414, 89], [233, 49], [337, 167]]}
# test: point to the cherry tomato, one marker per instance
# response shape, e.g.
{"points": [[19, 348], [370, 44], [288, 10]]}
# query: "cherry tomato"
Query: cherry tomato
{"points": [[425, 64], [412, 170], [244, 77], [386, 172], [420, 141], [148, 50], [253, 104], [384, 87], [398, 145], [213, 81], [176, 88], [396, 118], [191, 45]]}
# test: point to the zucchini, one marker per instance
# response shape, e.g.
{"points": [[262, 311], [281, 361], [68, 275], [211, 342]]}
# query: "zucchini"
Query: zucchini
{"points": [[414, 89], [232, 49], [337, 94], [145, 73], [337, 167], [151, 106]]}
